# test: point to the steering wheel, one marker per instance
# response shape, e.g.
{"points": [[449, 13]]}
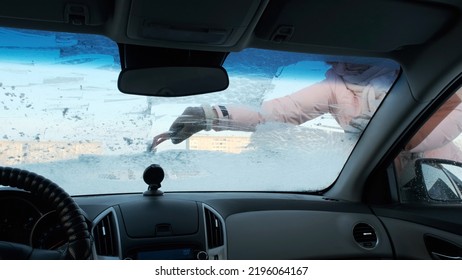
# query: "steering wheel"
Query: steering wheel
{"points": [[69, 215]]}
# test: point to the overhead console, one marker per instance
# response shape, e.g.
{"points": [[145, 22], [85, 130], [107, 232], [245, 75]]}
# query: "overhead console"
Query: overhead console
{"points": [[210, 23]]}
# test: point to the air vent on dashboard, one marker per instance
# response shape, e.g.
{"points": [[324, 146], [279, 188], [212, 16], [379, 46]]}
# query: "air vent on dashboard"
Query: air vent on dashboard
{"points": [[214, 229], [106, 236], [365, 235]]}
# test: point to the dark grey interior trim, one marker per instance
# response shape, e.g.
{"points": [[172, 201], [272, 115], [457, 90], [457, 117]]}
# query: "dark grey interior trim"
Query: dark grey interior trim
{"points": [[408, 238], [302, 235]]}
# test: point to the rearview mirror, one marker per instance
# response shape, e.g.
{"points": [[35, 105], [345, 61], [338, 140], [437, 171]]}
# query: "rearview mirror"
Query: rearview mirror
{"points": [[440, 179], [173, 81]]}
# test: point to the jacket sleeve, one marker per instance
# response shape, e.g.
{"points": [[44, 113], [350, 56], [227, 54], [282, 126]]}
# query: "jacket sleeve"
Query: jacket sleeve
{"points": [[442, 128], [296, 108]]}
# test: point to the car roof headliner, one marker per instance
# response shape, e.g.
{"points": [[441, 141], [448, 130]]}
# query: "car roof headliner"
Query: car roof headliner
{"points": [[362, 26]]}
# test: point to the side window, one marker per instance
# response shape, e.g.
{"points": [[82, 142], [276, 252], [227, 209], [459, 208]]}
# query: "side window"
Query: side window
{"points": [[429, 169]]}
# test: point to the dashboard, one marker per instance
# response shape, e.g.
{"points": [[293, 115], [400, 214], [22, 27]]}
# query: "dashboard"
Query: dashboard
{"points": [[204, 226]]}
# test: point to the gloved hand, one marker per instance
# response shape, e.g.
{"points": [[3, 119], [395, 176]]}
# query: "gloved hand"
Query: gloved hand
{"points": [[359, 123], [190, 122]]}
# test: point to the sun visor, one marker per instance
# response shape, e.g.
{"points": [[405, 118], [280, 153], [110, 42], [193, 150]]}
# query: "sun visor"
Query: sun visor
{"points": [[362, 25], [83, 12], [199, 22]]}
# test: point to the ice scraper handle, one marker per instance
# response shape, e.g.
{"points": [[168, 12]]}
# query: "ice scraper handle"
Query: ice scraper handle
{"points": [[158, 139]]}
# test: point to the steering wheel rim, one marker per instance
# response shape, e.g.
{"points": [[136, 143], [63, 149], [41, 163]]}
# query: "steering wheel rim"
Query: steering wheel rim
{"points": [[69, 213]]}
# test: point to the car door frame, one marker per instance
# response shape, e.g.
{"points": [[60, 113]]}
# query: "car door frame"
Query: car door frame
{"points": [[417, 230]]}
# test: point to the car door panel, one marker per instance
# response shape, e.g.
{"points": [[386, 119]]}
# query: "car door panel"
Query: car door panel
{"points": [[423, 232]]}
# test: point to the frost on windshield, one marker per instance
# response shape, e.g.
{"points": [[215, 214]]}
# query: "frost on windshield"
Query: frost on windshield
{"points": [[64, 118]]}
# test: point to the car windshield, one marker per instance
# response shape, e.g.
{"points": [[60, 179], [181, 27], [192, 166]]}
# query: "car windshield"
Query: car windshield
{"points": [[64, 118]]}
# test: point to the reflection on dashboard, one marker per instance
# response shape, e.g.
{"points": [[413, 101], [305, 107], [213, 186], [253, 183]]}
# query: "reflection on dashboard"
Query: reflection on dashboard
{"points": [[17, 219], [25, 220], [48, 233]]}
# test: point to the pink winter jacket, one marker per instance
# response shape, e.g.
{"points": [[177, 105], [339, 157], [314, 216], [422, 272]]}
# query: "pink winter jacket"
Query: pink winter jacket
{"points": [[435, 138], [349, 91]]}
